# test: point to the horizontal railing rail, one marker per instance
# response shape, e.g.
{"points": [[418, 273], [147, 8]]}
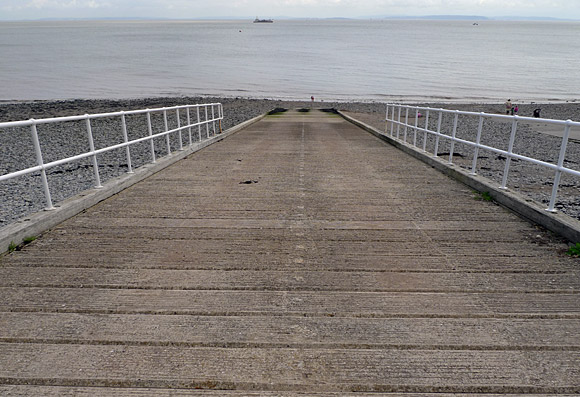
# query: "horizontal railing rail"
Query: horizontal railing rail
{"points": [[398, 117], [205, 115]]}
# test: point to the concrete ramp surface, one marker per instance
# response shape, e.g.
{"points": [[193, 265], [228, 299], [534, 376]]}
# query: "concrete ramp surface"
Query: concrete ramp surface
{"points": [[301, 256]]}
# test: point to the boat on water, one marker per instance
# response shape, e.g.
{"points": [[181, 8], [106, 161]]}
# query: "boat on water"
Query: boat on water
{"points": [[258, 20]]}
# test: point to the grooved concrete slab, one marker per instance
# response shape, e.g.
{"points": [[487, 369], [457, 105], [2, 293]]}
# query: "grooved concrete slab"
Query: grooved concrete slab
{"points": [[286, 280], [300, 256]]}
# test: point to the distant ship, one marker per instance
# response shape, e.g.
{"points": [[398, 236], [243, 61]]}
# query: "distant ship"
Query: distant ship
{"points": [[258, 20]]}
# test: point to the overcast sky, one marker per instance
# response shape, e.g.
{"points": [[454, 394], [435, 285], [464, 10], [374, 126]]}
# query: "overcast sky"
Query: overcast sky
{"points": [[192, 9]]}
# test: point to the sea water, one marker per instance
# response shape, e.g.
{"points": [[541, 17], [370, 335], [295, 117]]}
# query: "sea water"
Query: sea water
{"points": [[374, 60]]}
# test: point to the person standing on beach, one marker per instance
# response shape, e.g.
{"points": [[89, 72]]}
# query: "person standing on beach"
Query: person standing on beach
{"points": [[508, 107]]}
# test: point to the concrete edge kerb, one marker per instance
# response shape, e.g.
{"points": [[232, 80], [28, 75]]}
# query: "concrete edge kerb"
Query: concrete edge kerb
{"points": [[35, 224], [528, 209]]}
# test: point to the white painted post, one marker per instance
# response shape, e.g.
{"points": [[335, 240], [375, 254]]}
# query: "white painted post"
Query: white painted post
{"points": [[387, 120], [435, 152], [150, 129], [94, 157], [398, 122], [406, 124], [40, 162], [392, 120], [180, 137], [126, 139], [189, 124], [561, 159], [166, 129], [453, 134], [426, 129], [508, 160], [415, 129], [198, 123], [477, 143], [213, 119], [206, 123]]}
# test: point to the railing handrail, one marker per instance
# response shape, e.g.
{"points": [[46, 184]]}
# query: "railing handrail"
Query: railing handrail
{"points": [[492, 115], [92, 152], [29, 122], [509, 154]]}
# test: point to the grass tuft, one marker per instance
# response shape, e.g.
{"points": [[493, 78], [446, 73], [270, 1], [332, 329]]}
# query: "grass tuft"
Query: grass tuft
{"points": [[574, 250], [15, 247], [28, 240], [12, 247], [483, 196]]}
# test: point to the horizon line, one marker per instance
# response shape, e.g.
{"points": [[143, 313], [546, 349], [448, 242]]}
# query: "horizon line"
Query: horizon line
{"points": [[375, 17]]}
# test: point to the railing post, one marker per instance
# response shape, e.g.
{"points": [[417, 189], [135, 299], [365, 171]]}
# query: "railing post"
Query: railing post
{"points": [[40, 162], [198, 123], [166, 129], [189, 124], [150, 129], [213, 119], [415, 130], [426, 129], [387, 120], [179, 130], [126, 139], [392, 120], [206, 123], [398, 121], [453, 134], [508, 160], [477, 142], [220, 117], [435, 152], [406, 124], [561, 159], [92, 149]]}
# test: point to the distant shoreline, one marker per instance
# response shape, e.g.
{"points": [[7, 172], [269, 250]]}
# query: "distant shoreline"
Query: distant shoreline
{"points": [[13, 110], [506, 18], [414, 100]]}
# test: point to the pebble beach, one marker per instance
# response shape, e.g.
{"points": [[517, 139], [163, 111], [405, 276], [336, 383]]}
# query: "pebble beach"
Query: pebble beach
{"points": [[23, 195]]}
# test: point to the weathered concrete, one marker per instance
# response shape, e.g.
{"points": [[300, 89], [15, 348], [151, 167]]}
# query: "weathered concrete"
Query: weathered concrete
{"points": [[301, 255], [558, 223], [36, 224]]}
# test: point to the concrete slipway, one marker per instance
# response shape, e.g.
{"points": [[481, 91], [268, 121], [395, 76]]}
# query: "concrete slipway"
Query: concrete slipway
{"points": [[301, 256]]}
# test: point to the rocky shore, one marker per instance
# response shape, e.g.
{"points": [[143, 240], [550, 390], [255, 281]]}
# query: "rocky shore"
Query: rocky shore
{"points": [[23, 195], [533, 140]]}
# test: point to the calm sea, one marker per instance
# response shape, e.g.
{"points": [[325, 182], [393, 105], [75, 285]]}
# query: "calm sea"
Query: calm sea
{"points": [[330, 59]]}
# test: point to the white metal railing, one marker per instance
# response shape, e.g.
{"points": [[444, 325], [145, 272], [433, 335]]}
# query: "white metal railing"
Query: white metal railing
{"points": [[394, 113], [216, 110]]}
